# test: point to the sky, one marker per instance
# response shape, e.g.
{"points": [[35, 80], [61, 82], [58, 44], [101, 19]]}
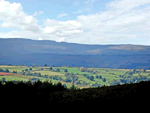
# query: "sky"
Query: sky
{"points": [[99, 22]]}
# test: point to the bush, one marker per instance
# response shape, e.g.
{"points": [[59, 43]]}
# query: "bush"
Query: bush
{"points": [[67, 80], [60, 78], [39, 76], [3, 79], [129, 77], [35, 74], [26, 69], [31, 74], [130, 73], [14, 71], [54, 77], [7, 71], [99, 77], [122, 76], [67, 74], [45, 76], [90, 78], [1, 70], [104, 79], [66, 70], [84, 83], [78, 83], [75, 78], [144, 70], [85, 75], [96, 85], [50, 77], [50, 68], [123, 81], [71, 73]]}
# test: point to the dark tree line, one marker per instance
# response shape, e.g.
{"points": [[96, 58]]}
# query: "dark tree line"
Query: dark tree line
{"points": [[128, 79], [6, 70], [89, 77], [96, 85], [81, 83], [99, 77], [92, 77]]}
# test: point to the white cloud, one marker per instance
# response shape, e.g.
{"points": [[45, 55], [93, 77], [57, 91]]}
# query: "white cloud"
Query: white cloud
{"points": [[89, 1], [41, 12], [79, 11], [13, 17], [38, 13], [85, 7], [48, 30], [62, 14], [35, 14], [124, 22], [40, 39], [76, 3], [126, 4], [61, 28]]}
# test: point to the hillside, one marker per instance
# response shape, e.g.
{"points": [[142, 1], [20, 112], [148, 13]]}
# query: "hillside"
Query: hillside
{"points": [[80, 77], [19, 51]]}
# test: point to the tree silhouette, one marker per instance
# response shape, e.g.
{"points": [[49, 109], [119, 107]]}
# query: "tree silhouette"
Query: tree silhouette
{"points": [[26, 69], [6, 70], [50, 68], [57, 70], [66, 70]]}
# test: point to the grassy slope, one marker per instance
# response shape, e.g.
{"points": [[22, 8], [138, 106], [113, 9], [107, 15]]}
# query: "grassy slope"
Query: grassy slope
{"points": [[102, 71]]}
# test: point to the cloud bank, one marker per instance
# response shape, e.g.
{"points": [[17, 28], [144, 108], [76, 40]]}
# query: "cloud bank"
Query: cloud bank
{"points": [[124, 22]]}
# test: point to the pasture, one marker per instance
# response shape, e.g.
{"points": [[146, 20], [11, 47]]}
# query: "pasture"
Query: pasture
{"points": [[109, 74]]}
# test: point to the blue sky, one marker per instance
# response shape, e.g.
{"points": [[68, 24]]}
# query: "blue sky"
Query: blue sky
{"points": [[77, 21]]}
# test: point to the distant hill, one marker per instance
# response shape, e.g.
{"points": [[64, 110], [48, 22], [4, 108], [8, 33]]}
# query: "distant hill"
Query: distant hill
{"points": [[18, 51]]}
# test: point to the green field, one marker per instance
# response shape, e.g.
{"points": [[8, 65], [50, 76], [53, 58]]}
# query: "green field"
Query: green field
{"points": [[109, 74]]}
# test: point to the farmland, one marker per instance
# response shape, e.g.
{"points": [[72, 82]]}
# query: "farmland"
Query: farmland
{"points": [[82, 80]]}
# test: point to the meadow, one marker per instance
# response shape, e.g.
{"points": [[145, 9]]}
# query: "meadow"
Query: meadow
{"points": [[108, 74]]}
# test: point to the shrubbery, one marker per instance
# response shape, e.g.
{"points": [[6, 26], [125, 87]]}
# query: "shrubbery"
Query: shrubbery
{"points": [[104, 79], [96, 85], [14, 71], [26, 69], [99, 77], [89, 77], [6, 70]]}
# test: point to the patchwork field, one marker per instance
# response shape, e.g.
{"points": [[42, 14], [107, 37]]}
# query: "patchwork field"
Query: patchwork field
{"points": [[108, 74], [6, 74]]}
